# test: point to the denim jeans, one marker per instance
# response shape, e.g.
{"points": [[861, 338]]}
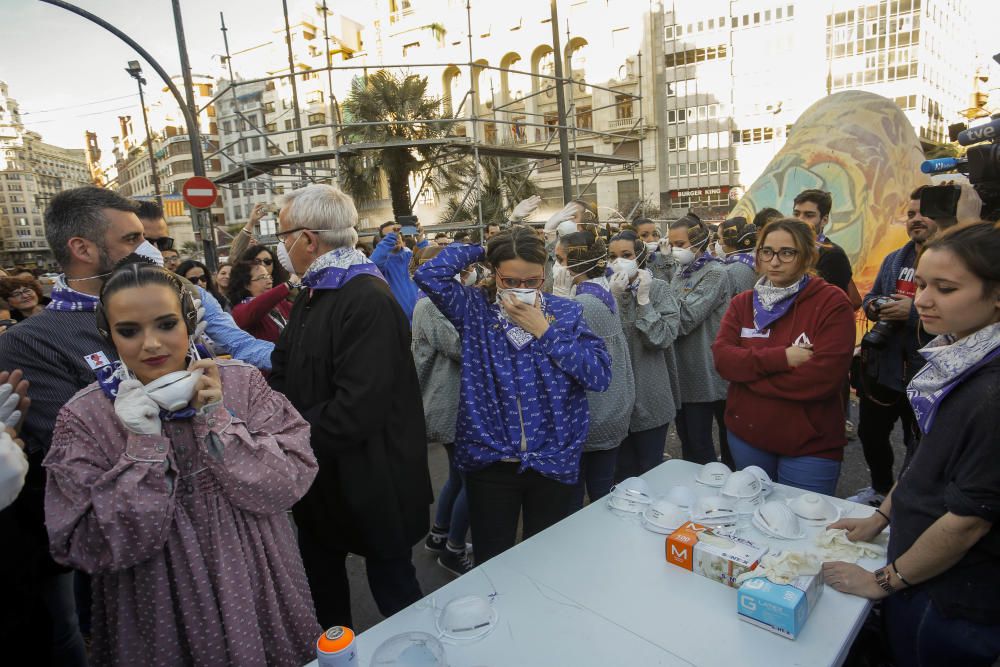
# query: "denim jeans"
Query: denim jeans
{"points": [[920, 636], [810, 473], [597, 474], [694, 428], [67, 641], [453, 505], [641, 451]]}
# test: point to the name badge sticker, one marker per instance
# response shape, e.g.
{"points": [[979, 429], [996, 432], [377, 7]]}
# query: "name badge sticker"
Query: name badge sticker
{"points": [[753, 333], [97, 360]]}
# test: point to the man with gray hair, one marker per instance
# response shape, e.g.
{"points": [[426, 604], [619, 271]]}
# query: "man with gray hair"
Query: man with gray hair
{"points": [[344, 362]]}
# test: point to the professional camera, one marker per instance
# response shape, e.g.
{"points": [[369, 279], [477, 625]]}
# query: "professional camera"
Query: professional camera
{"points": [[878, 337], [981, 164]]}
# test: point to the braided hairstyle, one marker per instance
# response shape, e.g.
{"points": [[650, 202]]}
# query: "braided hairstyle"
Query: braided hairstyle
{"points": [[738, 233], [584, 249]]}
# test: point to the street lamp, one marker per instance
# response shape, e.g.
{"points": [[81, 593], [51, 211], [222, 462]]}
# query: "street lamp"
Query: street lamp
{"points": [[135, 71]]}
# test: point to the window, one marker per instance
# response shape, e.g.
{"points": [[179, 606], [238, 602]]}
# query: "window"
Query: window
{"points": [[584, 118], [315, 97], [292, 147], [317, 118], [255, 143], [623, 106], [682, 169], [227, 126], [672, 171], [271, 127], [668, 32], [319, 140], [269, 107], [290, 124]]}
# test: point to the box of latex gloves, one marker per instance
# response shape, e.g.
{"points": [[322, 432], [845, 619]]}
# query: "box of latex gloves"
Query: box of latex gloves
{"points": [[720, 558], [780, 598]]}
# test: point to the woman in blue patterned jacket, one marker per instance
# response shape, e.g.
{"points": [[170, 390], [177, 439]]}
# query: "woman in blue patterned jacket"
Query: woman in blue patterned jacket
{"points": [[528, 360]]}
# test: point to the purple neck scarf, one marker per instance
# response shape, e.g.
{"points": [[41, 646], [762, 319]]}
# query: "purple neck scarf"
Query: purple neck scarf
{"points": [[743, 258], [66, 299], [595, 290], [690, 269], [948, 365], [334, 269], [764, 316]]}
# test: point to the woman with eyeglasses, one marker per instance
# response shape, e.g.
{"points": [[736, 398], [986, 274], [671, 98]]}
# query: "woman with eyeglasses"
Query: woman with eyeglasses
{"points": [[263, 256], [785, 347], [24, 296], [259, 308], [198, 274], [528, 360], [649, 314]]}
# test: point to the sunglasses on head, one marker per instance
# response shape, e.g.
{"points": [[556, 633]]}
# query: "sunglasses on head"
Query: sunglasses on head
{"points": [[162, 243]]}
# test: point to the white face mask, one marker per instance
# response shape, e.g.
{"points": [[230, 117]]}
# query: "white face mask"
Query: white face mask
{"points": [[284, 258], [150, 252], [652, 246], [627, 266], [522, 294], [565, 228], [561, 272], [174, 390], [683, 256]]}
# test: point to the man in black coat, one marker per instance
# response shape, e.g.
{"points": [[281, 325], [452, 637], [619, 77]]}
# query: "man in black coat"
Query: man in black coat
{"points": [[833, 266], [344, 362]]}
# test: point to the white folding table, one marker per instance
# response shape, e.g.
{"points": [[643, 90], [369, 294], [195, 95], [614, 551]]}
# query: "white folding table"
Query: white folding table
{"points": [[596, 589]]}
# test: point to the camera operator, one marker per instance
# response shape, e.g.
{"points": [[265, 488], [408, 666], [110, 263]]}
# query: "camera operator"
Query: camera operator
{"points": [[889, 355]]}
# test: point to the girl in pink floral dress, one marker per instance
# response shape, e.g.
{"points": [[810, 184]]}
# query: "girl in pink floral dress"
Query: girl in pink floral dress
{"points": [[179, 513]]}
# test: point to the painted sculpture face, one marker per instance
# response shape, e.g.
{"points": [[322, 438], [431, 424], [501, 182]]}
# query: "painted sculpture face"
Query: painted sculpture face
{"points": [[860, 148]]}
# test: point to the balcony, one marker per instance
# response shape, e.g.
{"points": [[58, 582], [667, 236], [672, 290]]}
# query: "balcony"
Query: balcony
{"points": [[621, 124]]}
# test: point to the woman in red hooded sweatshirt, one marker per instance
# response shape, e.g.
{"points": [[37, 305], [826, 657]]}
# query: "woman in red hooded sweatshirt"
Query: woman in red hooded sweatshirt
{"points": [[785, 348]]}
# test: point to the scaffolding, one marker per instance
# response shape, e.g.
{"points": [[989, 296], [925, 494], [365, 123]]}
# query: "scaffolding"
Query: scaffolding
{"points": [[450, 147]]}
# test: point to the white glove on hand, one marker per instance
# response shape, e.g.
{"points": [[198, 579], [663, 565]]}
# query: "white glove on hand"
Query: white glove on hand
{"points": [[665, 247], [9, 414], [199, 329], [562, 282], [13, 468], [525, 207], [136, 409], [642, 292], [567, 212], [618, 283]]}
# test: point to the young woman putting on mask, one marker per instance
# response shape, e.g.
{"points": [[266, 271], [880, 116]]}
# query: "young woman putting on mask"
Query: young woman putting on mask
{"points": [[649, 314], [528, 360], [175, 500], [579, 273]]}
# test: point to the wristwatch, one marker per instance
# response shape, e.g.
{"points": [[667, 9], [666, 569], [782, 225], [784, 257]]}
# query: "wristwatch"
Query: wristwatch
{"points": [[883, 579]]}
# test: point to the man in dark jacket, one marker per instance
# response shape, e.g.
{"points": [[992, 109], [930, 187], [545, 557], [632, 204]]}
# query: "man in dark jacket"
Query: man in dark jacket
{"points": [[344, 362], [833, 266], [890, 356]]}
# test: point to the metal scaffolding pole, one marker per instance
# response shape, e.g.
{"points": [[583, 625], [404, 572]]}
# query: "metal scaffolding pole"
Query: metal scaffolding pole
{"points": [[291, 79], [557, 56], [334, 107]]}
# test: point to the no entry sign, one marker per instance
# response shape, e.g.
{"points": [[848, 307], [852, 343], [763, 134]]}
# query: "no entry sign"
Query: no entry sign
{"points": [[199, 192]]}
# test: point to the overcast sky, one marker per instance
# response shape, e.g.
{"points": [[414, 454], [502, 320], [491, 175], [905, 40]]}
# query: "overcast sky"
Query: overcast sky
{"points": [[68, 74]]}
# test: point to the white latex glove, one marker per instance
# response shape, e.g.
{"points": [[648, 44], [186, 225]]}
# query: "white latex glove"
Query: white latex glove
{"points": [[9, 414], [567, 212], [642, 292], [618, 282], [665, 247], [562, 283], [13, 468], [199, 329], [784, 567], [525, 207], [834, 545], [136, 409]]}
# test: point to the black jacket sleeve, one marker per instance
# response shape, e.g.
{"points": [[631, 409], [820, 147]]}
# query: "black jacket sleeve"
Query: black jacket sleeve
{"points": [[833, 266]]}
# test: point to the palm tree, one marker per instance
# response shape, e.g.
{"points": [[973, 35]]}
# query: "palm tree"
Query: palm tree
{"points": [[190, 249], [391, 103], [502, 183]]}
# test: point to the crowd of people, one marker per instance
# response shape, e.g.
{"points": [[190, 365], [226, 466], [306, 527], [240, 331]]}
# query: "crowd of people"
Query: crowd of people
{"points": [[190, 457]]}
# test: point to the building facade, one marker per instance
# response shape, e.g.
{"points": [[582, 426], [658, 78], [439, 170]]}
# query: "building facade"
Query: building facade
{"points": [[31, 173], [738, 73]]}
